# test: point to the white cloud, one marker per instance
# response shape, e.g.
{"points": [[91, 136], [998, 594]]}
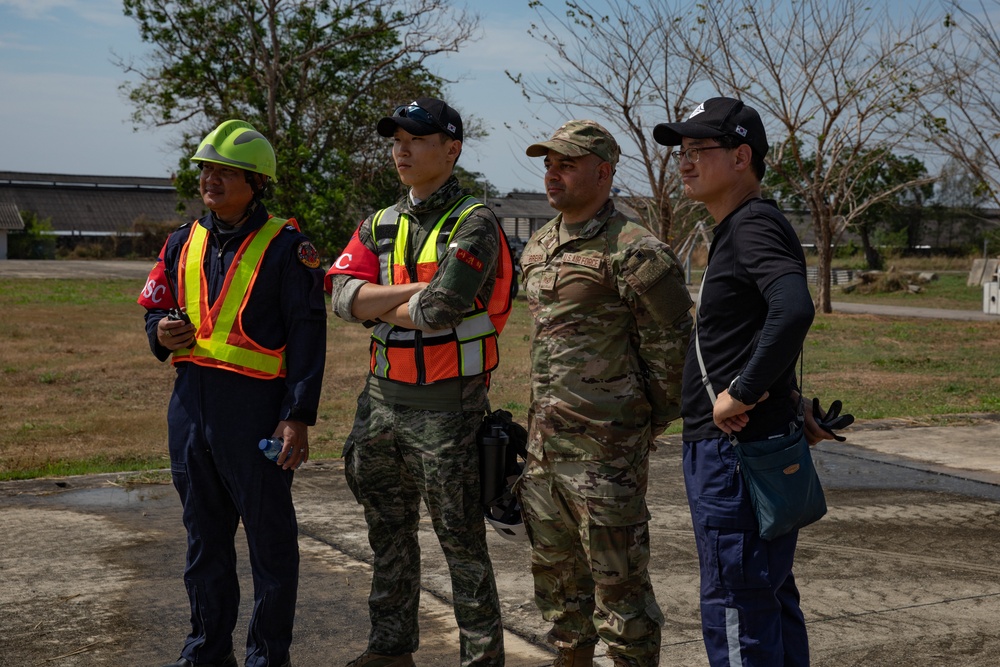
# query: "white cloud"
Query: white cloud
{"points": [[504, 44]]}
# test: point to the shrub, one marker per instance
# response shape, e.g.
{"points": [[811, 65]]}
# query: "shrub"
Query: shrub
{"points": [[35, 242]]}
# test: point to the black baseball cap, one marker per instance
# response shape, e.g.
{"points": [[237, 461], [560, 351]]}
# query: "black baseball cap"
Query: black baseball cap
{"points": [[423, 116], [714, 118]]}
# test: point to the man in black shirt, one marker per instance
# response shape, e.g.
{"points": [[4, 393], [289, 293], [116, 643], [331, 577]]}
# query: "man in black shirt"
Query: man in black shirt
{"points": [[753, 315]]}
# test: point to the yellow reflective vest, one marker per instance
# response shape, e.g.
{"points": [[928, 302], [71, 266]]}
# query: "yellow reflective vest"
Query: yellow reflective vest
{"points": [[220, 341]]}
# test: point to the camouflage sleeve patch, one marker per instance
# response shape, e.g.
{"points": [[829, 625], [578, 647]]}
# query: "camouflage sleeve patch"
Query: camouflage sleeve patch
{"points": [[644, 268], [655, 276]]}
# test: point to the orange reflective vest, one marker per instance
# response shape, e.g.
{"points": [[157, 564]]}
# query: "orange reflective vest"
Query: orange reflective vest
{"points": [[417, 357], [220, 341]]}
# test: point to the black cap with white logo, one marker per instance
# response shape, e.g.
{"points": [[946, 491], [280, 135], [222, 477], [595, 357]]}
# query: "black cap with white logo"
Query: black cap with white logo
{"points": [[714, 118], [421, 117]]}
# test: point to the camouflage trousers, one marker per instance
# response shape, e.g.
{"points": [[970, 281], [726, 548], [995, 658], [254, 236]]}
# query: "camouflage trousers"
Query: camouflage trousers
{"points": [[394, 456], [589, 531]]}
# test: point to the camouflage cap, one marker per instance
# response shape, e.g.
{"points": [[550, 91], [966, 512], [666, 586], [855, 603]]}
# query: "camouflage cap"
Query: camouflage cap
{"points": [[578, 138]]}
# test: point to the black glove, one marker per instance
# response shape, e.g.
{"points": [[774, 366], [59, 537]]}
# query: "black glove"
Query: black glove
{"points": [[832, 419]]}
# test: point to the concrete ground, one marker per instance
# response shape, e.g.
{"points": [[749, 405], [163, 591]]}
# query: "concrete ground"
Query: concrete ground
{"points": [[904, 570]]}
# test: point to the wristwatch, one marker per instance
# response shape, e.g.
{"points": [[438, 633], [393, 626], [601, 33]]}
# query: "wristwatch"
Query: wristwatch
{"points": [[736, 391]]}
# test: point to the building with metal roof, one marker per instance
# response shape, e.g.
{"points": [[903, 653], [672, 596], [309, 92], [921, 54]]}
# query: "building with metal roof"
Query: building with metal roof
{"points": [[92, 206]]}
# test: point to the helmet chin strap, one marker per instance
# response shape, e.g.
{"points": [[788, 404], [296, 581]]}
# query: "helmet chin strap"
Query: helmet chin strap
{"points": [[251, 207], [257, 187]]}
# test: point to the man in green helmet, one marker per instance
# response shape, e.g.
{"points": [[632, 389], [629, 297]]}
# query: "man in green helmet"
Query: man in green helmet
{"points": [[236, 302]]}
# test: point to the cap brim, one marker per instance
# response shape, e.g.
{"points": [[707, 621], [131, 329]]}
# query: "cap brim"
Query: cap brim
{"points": [[387, 127], [670, 134], [559, 146]]}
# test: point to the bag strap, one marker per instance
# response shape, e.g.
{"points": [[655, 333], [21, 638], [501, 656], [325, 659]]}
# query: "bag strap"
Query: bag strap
{"points": [[697, 344]]}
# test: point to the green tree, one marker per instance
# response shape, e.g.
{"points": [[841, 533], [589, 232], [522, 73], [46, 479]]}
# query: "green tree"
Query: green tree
{"points": [[475, 183], [313, 76], [882, 220]]}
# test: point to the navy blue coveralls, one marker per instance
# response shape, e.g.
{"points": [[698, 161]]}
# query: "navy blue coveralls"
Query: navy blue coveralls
{"points": [[754, 315], [216, 418]]}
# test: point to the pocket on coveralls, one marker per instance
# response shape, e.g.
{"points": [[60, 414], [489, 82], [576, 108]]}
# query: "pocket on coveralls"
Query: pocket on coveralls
{"points": [[732, 553]]}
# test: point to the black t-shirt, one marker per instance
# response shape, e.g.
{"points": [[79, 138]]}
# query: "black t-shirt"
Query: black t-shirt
{"points": [[752, 247]]}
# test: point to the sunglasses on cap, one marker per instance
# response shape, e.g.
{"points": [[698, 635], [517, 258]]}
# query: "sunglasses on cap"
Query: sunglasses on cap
{"points": [[421, 116]]}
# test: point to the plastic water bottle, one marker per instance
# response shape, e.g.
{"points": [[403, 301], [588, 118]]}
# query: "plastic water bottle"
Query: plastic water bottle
{"points": [[271, 447]]}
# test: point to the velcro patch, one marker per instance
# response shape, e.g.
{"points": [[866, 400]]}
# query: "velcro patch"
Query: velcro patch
{"points": [[467, 257], [308, 255]]}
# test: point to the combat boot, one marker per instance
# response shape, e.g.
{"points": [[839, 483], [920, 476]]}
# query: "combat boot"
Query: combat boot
{"points": [[369, 659], [581, 656]]}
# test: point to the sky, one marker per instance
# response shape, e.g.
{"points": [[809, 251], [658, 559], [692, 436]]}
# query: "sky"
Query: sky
{"points": [[62, 111]]}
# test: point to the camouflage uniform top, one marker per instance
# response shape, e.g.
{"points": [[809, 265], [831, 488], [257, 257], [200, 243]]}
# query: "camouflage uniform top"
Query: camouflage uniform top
{"points": [[450, 294], [612, 323]]}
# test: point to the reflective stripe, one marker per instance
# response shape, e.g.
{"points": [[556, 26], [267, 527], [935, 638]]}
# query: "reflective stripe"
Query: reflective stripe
{"points": [[733, 636], [475, 325], [472, 358], [384, 233], [442, 235], [471, 332], [470, 336], [380, 360], [215, 326]]}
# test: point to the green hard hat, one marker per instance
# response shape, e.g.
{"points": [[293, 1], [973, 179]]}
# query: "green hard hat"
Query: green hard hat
{"points": [[237, 143]]}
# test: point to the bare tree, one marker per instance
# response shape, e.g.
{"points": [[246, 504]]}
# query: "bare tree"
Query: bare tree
{"points": [[616, 60], [835, 83], [963, 120]]}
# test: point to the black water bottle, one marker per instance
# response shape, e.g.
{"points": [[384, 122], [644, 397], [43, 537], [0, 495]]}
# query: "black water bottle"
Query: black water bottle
{"points": [[492, 464]]}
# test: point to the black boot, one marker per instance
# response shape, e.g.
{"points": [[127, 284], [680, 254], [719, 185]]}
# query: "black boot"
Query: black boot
{"points": [[228, 661]]}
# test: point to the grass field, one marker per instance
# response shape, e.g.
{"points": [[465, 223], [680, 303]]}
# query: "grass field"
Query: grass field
{"points": [[82, 392]]}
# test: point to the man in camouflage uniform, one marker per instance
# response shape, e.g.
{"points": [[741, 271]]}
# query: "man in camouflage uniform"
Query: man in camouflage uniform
{"points": [[612, 323], [414, 432]]}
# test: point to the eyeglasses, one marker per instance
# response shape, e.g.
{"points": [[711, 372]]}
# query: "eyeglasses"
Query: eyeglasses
{"points": [[692, 154], [418, 114]]}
